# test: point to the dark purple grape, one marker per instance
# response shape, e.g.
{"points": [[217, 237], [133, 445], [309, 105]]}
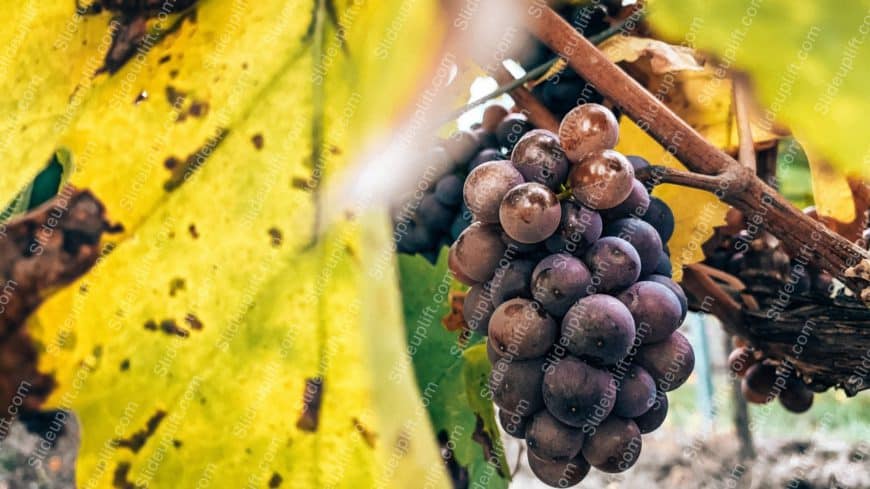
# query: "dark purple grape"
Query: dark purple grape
{"points": [[462, 220], [477, 308], [634, 205], [637, 162], [530, 213], [434, 215], [485, 155], [558, 473], [487, 139], [578, 394], [759, 384], [579, 228], [511, 279], [514, 424], [491, 353], [670, 362], [615, 446], [796, 397], [664, 267], [599, 329], [516, 384], [448, 190], [550, 439], [661, 217], [486, 186], [415, 238], [656, 310], [676, 289], [655, 416], [558, 281], [511, 129], [461, 145], [520, 329], [514, 247], [602, 179], [588, 128], [614, 264], [538, 156], [637, 393], [642, 236], [475, 255], [564, 93]]}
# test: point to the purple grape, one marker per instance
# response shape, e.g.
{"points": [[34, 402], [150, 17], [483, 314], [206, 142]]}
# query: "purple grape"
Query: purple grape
{"points": [[415, 238], [579, 228], [670, 362], [558, 281], [614, 264], [448, 190], [516, 385], [635, 204], [615, 446], [520, 329], [461, 145], [486, 186], [530, 213], [598, 328], [655, 309], [550, 439], [664, 267], [514, 424], [462, 220], [540, 159], [560, 472], [676, 289], [434, 215], [578, 394], [637, 393], [476, 253], [511, 279], [655, 416], [660, 216], [511, 129], [642, 236], [488, 154]]}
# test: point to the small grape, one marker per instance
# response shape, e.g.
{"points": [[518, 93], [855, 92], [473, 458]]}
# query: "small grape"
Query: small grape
{"points": [[602, 179], [637, 393], [642, 236], [676, 289], [475, 255], [511, 279], [587, 128], [511, 129], [598, 328], [635, 205], [579, 228], [434, 215], [637, 162], [492, 115], [519, 328], [759, 383], [558, 473], [578, 394], [477, 308], [514, 424], [488, 154], [796, 397], [461, 145], [486, 186], [614, 264], [516, 384], [448, 190], [548, 438], [655, 309], [539, 158], [661, 217], [615, 446], [530, 213], [670, 362], [416, 238], [664, 267], [655, 416], [558, 281], [740, 360], [462, 220]]}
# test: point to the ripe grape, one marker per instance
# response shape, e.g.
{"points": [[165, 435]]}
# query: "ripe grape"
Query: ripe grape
{"points": [[461, 222], [511, 279], [461, 145], [434, 215], [759, 383], [655, 309], [530, 213], [558, 473], [558, 281], [587, 128], [511, 129], [598, 328], [448, 190], [664, 267], [615, 446], [637, 162], [614, 264], [521, 329], [485, 187], [642, 236], [655, 416], [539, 158], [636, 395], [660, 216], [579, 228], [578, 394], [478, 308], [635, 205], [796, 397], [548, 438], [516, 384], [740, 360], [514, 424], [491, 353], [602, 179], [670, 362], [676, 289], [476, 253], [488, 154], [416, 238]]}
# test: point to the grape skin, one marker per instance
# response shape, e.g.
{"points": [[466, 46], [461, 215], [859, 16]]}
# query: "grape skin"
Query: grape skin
{"points": [[587, 128], [655, 416], [578, 394], [539, 158], [485, 187], [670, 362], [516, 385], [558, 473], [642, 236], [549, 438], [655, 309], [598, 328], [602, 179], [558, 281], [519, 328], [637, 393], [615, 446], [614, 264], [530, 213], [476, 253]]}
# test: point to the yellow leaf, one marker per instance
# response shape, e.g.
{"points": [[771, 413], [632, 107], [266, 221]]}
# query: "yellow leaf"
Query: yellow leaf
{"points": [[831, 191], [192, 353], [696, 212]]}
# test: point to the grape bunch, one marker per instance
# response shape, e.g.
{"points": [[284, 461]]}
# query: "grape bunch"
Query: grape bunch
{"points": [[763, 380], [569, 279], [435, 215]]}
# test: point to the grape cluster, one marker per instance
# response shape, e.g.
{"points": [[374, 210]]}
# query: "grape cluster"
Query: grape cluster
{"points": [[763, 380], [435, 215], [569, 279]]}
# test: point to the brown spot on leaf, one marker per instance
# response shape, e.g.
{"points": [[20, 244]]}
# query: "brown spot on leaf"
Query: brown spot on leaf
{"points": [[257, 140], [311, 399], [482, 438], [193, 321], [193, 232], [275, 235], [175, 285], [194, 161], [151, 325], [125, 365], [367, 435], [137, 440], [171, 163], [170, 327], [164, 58], [275, 480], [176, 443], [119, 477], [454, 320], [198, 108], [302, 183], [173, 74], [143, 95], [175, 97], [127, 36]]}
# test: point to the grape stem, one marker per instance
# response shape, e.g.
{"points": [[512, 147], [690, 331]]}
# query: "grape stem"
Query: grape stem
{"points": [[740, 96], [745, 191]]}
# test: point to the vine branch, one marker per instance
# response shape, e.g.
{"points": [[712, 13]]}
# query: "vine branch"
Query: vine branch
{"points": [[750, 194]]}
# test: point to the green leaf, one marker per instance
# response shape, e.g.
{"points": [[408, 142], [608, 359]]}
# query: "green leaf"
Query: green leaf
{"points": [[807, 59], [451, 375]]}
